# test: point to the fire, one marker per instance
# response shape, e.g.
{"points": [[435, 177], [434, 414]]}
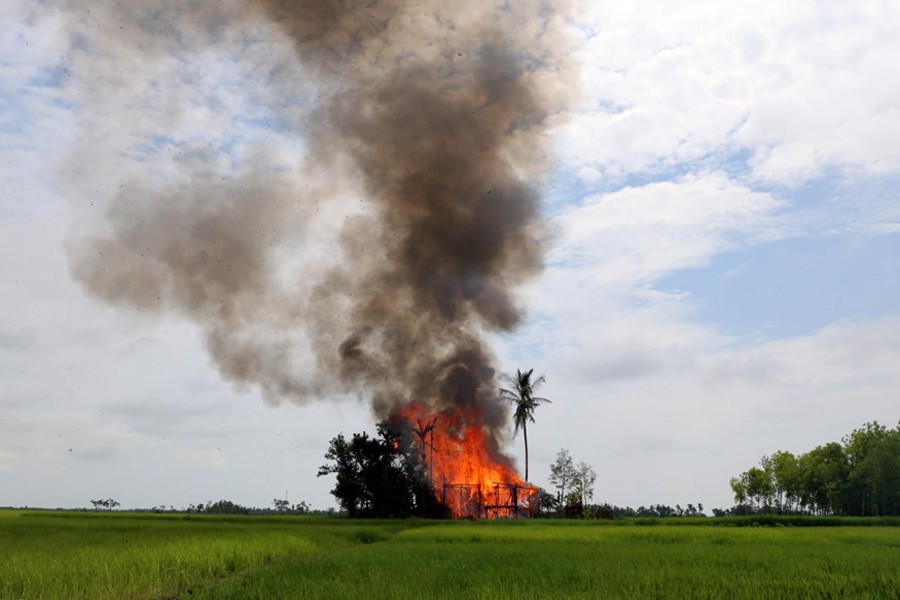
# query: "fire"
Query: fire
{"points": [[468, 472]]}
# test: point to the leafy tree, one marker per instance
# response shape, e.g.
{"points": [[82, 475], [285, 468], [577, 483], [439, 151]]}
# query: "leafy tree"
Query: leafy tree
{"points": [[871, 465], [822, 471], [562, 472], [739, 488], [759, 486], [873, 483], [583, 483], [521, 395], [549, 502], [375, 478], [281, 506], [785, 472], [885, 467]]}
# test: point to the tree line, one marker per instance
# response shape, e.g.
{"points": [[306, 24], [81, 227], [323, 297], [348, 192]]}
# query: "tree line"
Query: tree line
{"points": [[858, 476], [660, 511], [223, 507], [227, 507]]}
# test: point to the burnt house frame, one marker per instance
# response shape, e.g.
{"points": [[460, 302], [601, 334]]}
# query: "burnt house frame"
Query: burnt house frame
{"points": [[497, 501]]}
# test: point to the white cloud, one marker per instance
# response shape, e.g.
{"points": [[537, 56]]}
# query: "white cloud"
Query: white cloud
{"points": [[627, 239], [36, 123], [803, 86]]}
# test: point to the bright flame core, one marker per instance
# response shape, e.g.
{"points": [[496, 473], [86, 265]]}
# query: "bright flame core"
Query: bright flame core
{"points": [[468, 472]]}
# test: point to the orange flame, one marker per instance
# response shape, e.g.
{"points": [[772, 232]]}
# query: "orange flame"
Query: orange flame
{"points": [[468, 472]]}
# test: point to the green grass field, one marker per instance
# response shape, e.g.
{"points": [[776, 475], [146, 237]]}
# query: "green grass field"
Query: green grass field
{"points": [[122, 555]]}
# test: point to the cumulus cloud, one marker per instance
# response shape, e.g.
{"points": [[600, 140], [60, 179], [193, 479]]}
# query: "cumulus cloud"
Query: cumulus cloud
{"points": [[638, 233], [801, 87]]}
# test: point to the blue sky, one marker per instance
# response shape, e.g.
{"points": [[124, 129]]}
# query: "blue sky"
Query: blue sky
{"points": [[722, 281], [795, 286]]}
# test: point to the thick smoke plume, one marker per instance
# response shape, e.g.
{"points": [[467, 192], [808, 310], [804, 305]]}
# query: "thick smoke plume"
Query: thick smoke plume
{"points": [[429, 117]]}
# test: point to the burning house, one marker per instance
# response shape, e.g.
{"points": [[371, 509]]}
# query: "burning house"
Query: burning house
{"points": [[469, 474]]}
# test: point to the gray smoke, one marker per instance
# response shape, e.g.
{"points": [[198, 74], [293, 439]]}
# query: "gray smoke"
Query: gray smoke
{"points": [[430, 115]]}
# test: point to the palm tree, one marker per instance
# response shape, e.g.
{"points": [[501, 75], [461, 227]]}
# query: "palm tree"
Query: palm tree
{"points": [[520, 394]]}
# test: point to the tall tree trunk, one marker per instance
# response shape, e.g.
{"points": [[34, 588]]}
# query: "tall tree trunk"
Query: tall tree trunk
{"points": [[525, 435]]}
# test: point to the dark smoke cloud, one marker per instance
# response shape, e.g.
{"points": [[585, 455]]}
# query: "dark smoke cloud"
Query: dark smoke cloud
{"points": [[433, 114]]}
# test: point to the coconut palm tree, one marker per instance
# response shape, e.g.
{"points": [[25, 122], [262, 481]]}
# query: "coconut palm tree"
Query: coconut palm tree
{"points": [[520, 394]]}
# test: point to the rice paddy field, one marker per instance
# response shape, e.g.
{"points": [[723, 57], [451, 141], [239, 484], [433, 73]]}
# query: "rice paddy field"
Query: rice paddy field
{"points": [[47, 554]]}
